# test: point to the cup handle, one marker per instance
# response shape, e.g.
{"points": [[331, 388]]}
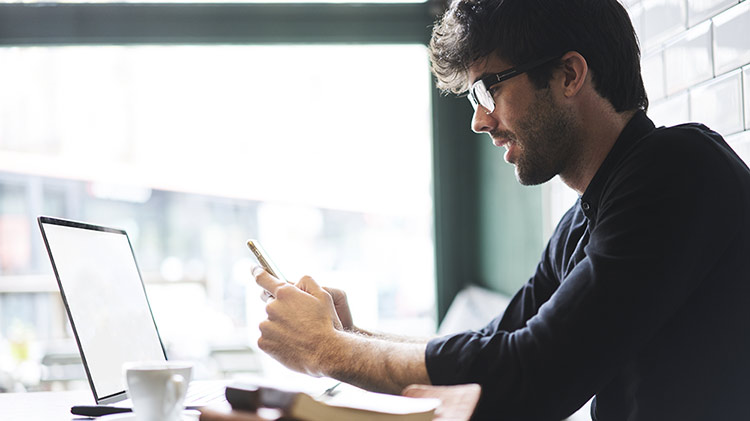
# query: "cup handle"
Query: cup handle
{"points": [[175, 389]]}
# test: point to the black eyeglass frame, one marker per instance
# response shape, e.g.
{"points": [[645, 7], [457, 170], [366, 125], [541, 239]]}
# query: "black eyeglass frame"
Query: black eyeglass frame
{"points": [[487, 82]]}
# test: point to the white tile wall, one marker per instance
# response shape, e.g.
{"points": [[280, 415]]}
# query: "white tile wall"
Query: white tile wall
{"points": [[687, 59], [741, 144], [743, 137], [652, 70], [700, 10], [746, 84], [670, 111], [696, 61], [732, 38], [637, 16], [662, 19], [718, 104]]}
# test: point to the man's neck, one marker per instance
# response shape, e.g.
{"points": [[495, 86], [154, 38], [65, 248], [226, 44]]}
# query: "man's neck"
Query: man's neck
{"points": [[599, 131]]}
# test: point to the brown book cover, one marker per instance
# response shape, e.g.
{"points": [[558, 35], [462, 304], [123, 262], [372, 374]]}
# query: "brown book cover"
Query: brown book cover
{"points": [[457, 403], [418, 403]]}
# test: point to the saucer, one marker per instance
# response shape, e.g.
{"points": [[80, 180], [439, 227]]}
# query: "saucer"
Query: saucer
{"points": [[187, 415]]}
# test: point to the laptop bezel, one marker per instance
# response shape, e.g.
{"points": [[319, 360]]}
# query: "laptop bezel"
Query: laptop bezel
{"points": [[121, 395]]}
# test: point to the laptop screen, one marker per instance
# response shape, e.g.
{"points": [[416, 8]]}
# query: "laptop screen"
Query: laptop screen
{"points": [[105, 299]]}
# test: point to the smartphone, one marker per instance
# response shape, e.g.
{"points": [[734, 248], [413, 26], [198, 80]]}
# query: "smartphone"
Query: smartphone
{"points": [[265, 261]]}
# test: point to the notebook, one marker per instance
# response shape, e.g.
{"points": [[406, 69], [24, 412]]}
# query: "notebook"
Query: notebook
{"points": [[108, 309]]}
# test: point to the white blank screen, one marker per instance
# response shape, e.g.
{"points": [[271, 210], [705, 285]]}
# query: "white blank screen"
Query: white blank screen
{"points": [[106, 300]]}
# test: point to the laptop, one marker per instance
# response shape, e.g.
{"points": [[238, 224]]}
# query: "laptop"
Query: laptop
{"points": [[109, 311]]}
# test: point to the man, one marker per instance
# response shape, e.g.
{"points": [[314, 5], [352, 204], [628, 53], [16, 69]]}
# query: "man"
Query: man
{"points": [[642, 295]]}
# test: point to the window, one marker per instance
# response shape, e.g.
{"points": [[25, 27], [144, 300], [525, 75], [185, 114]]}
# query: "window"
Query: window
{"points": [[321, 152]]}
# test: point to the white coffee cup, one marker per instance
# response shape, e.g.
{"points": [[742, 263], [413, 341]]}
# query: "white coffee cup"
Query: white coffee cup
{"points": [[157, 389]]}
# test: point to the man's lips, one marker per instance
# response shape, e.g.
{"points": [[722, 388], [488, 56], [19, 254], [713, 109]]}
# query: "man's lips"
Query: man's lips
{"points": [[499, 141], [502, 138], [508, 143]]}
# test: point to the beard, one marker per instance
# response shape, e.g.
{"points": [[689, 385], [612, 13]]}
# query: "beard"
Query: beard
{"points": [[546, 139]]}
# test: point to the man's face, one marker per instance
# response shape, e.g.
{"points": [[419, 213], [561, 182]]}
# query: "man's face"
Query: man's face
{"points": [[537, 132]]}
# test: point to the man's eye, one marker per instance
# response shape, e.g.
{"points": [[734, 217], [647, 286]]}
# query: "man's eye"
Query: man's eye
{"points": [[492, 91]]}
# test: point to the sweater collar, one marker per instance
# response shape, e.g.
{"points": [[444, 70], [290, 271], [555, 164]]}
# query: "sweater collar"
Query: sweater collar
{"points": [[638, 127]]}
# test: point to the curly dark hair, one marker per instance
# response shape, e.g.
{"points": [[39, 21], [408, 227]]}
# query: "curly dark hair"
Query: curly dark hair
{"points": [[520, 31]]}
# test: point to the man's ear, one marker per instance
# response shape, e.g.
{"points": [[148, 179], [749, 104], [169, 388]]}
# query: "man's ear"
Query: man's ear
{"points": [[574, 71]]}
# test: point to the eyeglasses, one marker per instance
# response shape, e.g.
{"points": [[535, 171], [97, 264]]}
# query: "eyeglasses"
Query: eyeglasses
{"points": [[480, 94]]}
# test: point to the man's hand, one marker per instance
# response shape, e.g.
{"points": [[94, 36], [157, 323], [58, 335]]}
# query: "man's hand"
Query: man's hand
{"points": [[342, 307], [302, 322], [305, 332]]}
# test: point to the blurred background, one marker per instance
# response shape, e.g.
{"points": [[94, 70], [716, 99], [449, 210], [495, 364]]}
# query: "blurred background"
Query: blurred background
{"points": [[195, 149]]}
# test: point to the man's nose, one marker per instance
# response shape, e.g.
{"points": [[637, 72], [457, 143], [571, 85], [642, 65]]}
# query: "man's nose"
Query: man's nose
{"points": [[482, 121]]}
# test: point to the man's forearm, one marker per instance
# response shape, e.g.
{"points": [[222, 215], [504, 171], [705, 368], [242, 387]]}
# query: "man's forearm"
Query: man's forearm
{"points": [[321, 346], [375, 364], [389, 336]]}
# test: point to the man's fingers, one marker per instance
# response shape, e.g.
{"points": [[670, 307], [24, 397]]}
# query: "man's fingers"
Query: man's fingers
{"points": [[311, 287], [341, 305], [339, 296], [265, 296], [266, 280]]}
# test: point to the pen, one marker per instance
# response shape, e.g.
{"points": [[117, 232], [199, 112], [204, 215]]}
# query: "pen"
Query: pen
{"points": [[330, 391]]}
